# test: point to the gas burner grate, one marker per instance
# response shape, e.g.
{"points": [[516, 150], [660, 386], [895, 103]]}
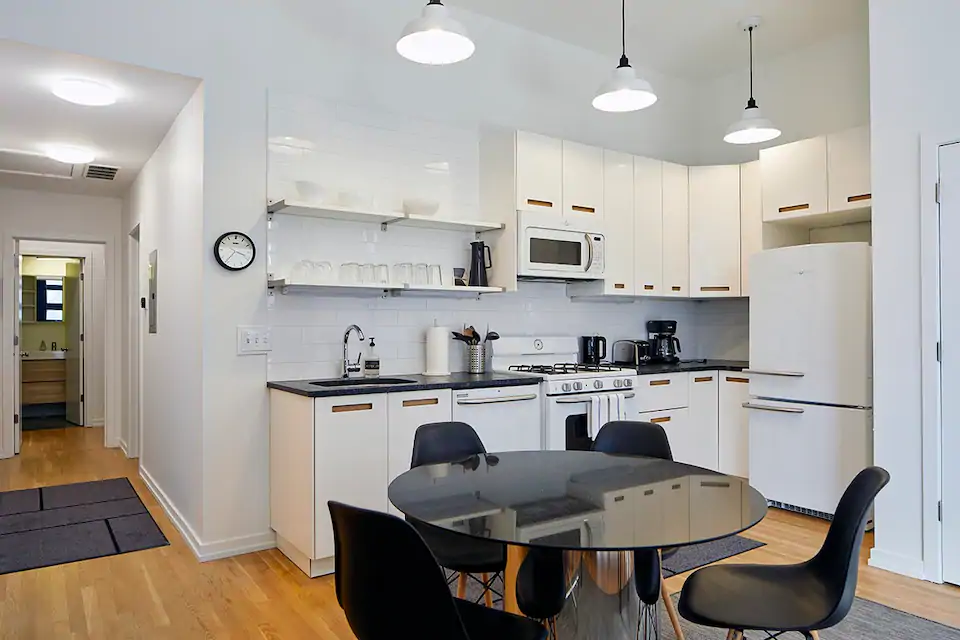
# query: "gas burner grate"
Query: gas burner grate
{"points": [[564, 368]]}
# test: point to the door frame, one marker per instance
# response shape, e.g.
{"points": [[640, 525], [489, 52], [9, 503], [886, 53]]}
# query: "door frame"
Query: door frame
{"points": [[134, 347], [931, 406]]}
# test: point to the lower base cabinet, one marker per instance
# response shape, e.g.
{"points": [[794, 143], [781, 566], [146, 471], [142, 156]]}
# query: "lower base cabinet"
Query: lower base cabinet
{"points": [[734, 424], [702, 438], [405, 413]]}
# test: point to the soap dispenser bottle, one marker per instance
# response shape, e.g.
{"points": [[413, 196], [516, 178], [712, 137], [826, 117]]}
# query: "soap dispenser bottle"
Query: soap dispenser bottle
{"points": [[371, 364]]}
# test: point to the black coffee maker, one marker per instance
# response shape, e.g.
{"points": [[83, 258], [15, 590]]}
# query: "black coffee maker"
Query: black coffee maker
{"points": [[663, 337]]}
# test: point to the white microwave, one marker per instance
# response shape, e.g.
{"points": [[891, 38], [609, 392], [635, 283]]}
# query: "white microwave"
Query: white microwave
{"points": [[558, 253]]}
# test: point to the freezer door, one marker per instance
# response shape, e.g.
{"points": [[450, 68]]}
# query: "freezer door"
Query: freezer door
{"points": [[805, 455], [810, 324]]}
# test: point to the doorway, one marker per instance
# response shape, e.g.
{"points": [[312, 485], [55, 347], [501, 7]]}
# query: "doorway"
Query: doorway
{"points": [[949, 163]]}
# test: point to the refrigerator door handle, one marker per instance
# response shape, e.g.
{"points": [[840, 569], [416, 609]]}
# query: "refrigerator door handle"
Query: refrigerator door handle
{"points": [[766, 407], [783, 374]]}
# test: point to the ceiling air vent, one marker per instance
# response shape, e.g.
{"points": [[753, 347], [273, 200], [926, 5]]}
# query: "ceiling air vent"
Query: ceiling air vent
{"points": [[25, 163], [100, 172]]}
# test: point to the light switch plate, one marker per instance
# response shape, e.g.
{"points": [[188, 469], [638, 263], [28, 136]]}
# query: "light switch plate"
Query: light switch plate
{"points": [[253, 340]]}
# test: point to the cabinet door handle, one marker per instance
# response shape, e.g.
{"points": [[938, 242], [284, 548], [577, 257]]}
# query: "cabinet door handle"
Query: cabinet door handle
{"points": [[659, 383], [715, 484], [676, 288], [714, 288], [345, 408], [619, 285], [704, 379], [860, 198], [619, 498], [648, 287], [423, 402], [766, 407], [539, 203], [740, 380], [580, 209], [499, 399], [795, 207], [660, 420], [782, 374]]}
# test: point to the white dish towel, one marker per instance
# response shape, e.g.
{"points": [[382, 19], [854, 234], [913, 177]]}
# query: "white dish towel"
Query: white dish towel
{"points": [[618, 407], [598, 416]]}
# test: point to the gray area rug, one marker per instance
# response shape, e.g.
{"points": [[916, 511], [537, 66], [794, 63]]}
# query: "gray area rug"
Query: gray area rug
{"points": [[66, 523], [700, 555]]}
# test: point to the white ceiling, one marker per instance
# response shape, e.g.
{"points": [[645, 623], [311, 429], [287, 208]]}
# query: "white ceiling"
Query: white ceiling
{"points": [[694, 39], [125, 134]]}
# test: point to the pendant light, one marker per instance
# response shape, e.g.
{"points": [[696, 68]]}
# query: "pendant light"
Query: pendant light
{"points": [[624, 91], [435, 38], [752, 127]]}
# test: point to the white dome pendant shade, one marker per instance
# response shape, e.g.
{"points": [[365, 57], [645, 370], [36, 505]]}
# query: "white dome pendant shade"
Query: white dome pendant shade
{"points": [[624, 91], [435, 38], [752, 127]]}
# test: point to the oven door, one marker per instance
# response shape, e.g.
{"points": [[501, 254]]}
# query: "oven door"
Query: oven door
{"points": [[565, 423], [574, 532], [560, 253]]}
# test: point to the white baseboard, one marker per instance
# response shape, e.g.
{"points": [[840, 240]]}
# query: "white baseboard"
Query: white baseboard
{"points": [[94, 423], [206, 551], [897, 563], [123, 447]]}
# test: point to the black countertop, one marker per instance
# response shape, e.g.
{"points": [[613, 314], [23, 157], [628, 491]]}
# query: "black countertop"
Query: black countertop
{"points": [[420, 383], [697, 365]]}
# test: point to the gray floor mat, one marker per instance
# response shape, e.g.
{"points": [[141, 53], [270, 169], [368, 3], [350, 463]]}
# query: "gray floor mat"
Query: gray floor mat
{"points": [[19, 501], [700, 555], [58, 545], [69, 495]]}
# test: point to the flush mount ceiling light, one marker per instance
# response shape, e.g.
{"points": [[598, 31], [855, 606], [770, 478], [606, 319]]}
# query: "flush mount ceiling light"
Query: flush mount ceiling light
{"points": [[624, 91], [752, 127], [70, 154], [86, 92], [435, 38]]}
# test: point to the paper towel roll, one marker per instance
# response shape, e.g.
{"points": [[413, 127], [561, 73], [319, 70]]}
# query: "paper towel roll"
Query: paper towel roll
{"points": [[438, 351]]}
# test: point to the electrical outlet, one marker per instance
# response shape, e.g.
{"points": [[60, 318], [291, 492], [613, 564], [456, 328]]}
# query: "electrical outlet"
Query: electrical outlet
{"points": [[253, 340]]}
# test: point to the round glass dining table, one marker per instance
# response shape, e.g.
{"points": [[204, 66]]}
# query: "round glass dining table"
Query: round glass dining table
{"points": [[593, 506]]}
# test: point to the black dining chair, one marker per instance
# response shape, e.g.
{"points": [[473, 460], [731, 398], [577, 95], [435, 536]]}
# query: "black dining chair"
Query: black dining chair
{"points": [[802, 598], [633, 438], [372, 549], [541, 586], [447, 442]]}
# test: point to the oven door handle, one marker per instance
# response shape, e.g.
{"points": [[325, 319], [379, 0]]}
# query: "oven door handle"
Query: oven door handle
{"points": [[498, 399], [587, 399]]}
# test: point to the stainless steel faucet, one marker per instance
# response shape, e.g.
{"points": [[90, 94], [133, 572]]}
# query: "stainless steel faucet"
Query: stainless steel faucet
{"points": [[349, 367]]}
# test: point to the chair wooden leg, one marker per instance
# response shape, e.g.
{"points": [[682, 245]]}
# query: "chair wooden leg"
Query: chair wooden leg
{"points": [[462, 586], [487, 595], [671, 610], [815, 634]]}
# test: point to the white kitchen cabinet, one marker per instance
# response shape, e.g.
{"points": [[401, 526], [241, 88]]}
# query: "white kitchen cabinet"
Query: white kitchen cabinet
{"points": [[656, 392], [734, 424], [648, 231], [676, 424], [405, 413], [350, 454], [583, 167], [716, 505], [848, 169], [618, 212], [703, 430], [676, 231], [715, 231], [751, 220], [539, 177], [794, 179]]}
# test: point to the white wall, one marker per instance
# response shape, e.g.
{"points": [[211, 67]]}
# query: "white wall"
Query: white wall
{"points": [[913, 54], [166, 200], [819, 89], [49, 216]]}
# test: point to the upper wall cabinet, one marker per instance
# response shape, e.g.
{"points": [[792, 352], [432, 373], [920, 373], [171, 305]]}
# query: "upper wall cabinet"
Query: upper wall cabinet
{"points": [[676, 231], [582, 181], [648, 232], [848, 169], [751, 220], [794, 180], [539, 162], [715, 231], [618, 205]]}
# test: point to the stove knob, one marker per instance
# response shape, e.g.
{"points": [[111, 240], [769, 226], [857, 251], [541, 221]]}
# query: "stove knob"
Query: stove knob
{"points": [[618, 383], [577, 386], [566, 386], [597, 384], [628, 383]]}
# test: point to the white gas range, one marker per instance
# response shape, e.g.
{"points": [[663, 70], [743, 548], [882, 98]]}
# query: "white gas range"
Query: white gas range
{"points": [[568, 388]]}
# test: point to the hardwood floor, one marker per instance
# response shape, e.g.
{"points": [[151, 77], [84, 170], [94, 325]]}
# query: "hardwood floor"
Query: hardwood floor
{"points": [[166, 593]]}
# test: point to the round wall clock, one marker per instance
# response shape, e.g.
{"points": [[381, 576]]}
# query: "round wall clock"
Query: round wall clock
{"points": [[234, 251]]}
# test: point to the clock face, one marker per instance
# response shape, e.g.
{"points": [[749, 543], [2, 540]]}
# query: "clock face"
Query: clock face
{"points": [[235, 251]]}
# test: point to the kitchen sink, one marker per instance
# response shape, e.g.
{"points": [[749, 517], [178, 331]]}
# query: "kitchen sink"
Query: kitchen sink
{"points": [[362, 382]]}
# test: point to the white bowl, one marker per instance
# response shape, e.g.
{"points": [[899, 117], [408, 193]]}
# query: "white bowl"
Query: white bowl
{"points": [[420, 206], [309, 191], [354, 200]]}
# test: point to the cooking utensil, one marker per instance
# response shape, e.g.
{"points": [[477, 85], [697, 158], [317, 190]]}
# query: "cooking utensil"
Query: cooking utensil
{"points": [[461, 337], [491, 336]]}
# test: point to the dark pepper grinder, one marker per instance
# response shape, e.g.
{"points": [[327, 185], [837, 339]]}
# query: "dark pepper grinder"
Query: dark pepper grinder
{"points": [[480, 261]]}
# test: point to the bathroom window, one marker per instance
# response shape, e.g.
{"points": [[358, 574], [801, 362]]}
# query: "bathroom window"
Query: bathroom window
{"points": [[49, 300]]}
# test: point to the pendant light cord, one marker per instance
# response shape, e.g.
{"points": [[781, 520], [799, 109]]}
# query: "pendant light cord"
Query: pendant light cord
{"points": [[751, 103], [624, 62]]}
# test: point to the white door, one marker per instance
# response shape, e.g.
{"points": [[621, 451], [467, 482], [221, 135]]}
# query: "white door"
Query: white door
{"points": [[618, 223], [751, 220], [406, 412], [648, 230], [805, 455], [676, 231], [582, 182], [848, 169], [950, 365], [18, 409], [715, 231], [73, 322], [539, 173], [733, 423], [810, 324], [794, 179]]}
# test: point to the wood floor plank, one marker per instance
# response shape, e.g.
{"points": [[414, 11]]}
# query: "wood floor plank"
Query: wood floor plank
{"points": [[165, 593]]}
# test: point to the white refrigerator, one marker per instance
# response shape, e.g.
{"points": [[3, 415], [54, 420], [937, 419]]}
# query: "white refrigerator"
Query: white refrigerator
{"points": [[811, 383]]}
